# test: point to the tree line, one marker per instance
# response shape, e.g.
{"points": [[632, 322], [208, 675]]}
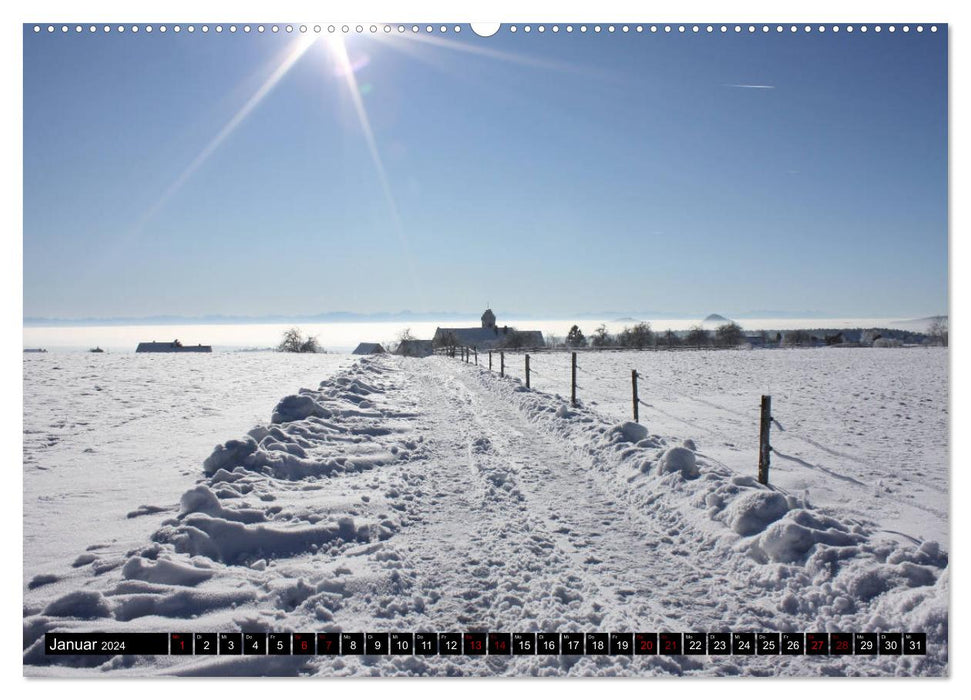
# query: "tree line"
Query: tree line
{"points": [[640, 336]]}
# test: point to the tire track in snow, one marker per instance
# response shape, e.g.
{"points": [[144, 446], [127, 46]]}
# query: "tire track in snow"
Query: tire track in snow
{"points": [[508, 573], [505, 435], [651, 572]]}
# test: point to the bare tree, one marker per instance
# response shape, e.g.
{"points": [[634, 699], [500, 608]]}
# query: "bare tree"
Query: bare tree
{"points": [[937, 331], [729, 335], [293, 341], [403, 337], [698, 337], [601, 338], [796, 338], [640, 336], [668, 339], [448, 342]]}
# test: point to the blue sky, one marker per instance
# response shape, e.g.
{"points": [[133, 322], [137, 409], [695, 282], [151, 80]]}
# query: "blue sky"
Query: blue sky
{"points": [[543, 174]]}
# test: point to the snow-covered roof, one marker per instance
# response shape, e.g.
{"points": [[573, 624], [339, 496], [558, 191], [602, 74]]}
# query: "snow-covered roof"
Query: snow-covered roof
{"points": [[174, 346], [485, 338], [368, 349], [470, 336], [415, 348]]}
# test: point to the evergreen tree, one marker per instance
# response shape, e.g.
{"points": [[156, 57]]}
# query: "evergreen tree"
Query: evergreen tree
{"points": [[575, 338]]}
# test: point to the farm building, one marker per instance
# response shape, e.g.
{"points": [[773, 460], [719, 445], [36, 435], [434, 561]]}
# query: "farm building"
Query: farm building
{"points": [[487, 336], [174, 346], [368, 349]]}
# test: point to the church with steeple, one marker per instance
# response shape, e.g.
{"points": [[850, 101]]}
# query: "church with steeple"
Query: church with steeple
{"points": [[488, 336]]}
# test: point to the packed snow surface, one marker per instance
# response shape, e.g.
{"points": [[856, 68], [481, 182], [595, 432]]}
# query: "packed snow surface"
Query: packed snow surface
{"points": [[410, 495]]}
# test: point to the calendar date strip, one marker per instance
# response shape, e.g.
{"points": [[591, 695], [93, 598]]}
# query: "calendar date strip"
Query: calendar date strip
{"points": [[487, 643]]}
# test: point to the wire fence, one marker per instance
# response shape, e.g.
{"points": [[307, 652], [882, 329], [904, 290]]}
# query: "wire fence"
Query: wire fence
{"points": [[587, 381]]}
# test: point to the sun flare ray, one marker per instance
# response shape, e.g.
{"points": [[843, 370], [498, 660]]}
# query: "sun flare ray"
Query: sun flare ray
{"points": [[290, 57], [346, 68]]}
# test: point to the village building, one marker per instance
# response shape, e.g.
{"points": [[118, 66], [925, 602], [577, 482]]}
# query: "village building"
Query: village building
{"points": [[368, 349], [174, 346], [488, 336]]}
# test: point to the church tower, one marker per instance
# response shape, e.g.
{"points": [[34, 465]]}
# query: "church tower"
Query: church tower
{"points": [[488, 319]]}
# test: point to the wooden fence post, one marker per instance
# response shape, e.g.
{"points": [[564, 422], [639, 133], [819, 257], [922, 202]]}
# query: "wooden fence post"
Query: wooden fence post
{"points": [[490, 360], [502, 363], [764, 447], [476, 350], [573, 379], [527, 371], [633, 386]]}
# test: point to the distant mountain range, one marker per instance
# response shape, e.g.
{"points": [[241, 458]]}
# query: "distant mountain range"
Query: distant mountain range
{"points": [[328, 317]]}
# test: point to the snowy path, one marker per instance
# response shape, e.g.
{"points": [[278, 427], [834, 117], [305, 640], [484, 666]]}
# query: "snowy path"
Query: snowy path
{"points": [[587, 545], [432, 495]]}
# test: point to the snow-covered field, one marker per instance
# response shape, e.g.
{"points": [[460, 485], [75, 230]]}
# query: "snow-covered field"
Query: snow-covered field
{"points": [[105, 434], [409, 495]]}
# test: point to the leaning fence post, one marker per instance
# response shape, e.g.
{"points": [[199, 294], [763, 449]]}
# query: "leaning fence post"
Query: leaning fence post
{"points": [[502, 363], [764, 447], [527, 371], [573, 379], [633, 387]]}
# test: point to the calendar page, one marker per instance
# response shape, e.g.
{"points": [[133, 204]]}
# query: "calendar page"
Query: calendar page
{"points": [[522, 349]]}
